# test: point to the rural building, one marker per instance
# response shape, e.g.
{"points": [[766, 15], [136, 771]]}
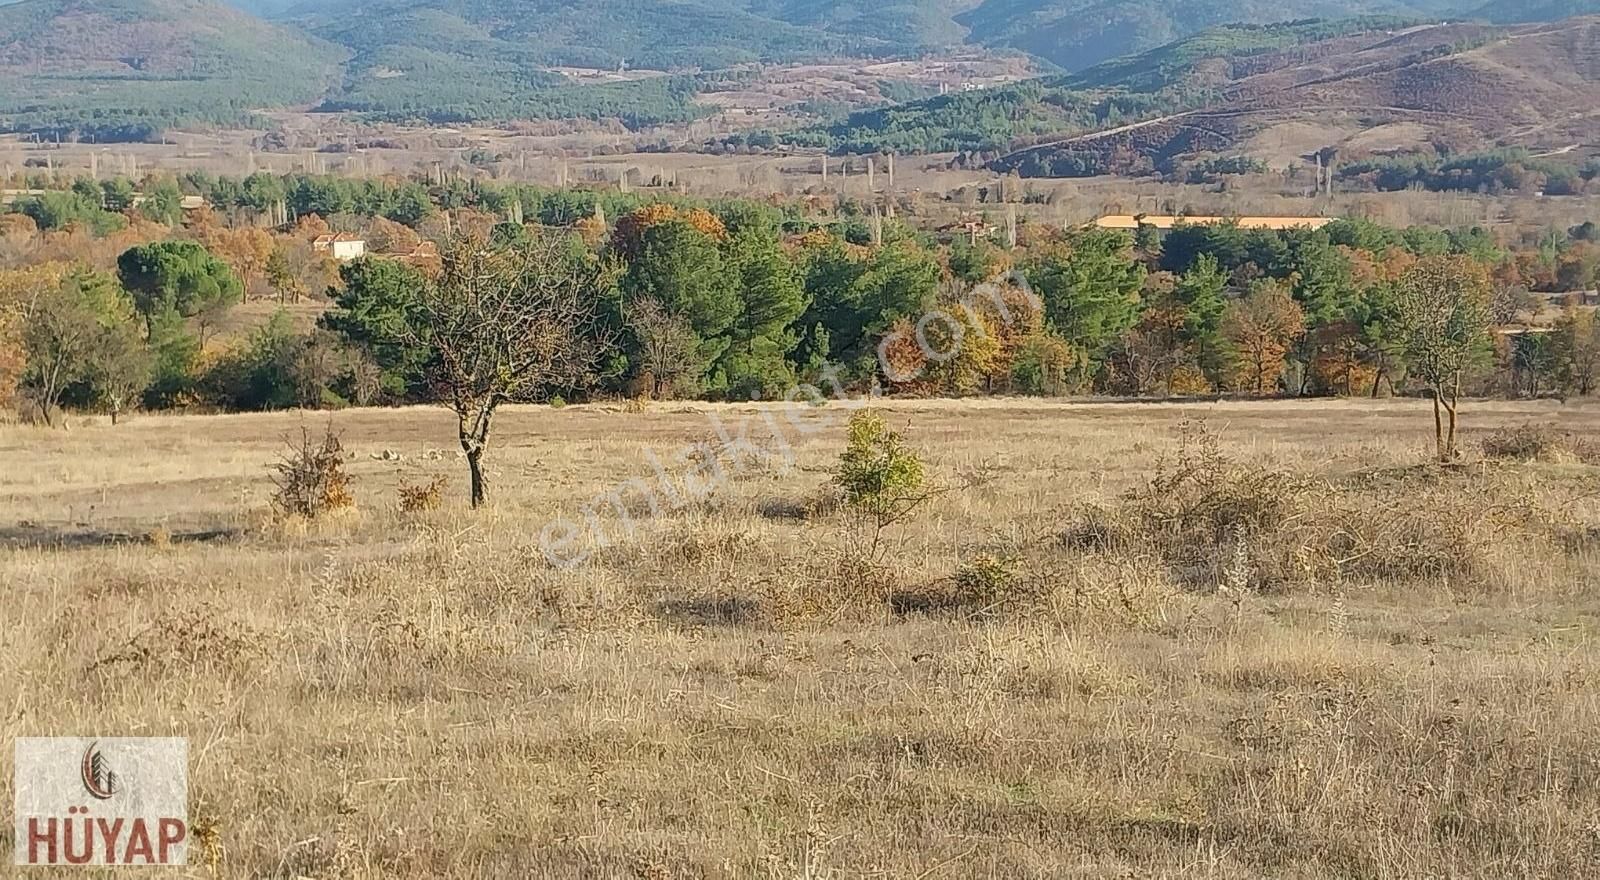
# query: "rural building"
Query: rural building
{"points": [[1165, 223], [425, 253], [340, 245], [972, 228]]}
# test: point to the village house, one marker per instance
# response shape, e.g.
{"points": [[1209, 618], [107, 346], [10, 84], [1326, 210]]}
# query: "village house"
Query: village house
{"points": [[342, 246]]}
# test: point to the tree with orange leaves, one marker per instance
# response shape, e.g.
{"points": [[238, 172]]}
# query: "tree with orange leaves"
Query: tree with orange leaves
{"points": [[1262, 327]]}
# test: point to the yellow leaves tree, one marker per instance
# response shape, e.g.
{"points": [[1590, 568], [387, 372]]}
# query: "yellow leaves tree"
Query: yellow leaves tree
{"points": [[1262, 327], [19, 289], [628, 235]]}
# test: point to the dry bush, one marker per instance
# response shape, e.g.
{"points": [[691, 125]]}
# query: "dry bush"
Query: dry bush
{"points": [[1110, 590], [843, 586], [1213, 520], [187, 640], [424, 497], [823, 502], [1545, 443], [310, 477]]}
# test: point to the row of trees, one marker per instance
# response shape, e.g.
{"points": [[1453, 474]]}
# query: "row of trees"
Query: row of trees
{"points": [[741, 299]]}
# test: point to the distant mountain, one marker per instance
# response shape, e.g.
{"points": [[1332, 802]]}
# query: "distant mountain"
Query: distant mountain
{"points": [[1519, 11], [608, 34], [1274, 92], [1076, 34], [270, 8], [1460, 87], [129, 68], [1175, 77]]}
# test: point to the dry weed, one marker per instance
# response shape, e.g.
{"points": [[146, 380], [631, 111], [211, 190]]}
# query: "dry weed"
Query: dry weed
{"points": [[1216, 522], [187, 641], [310, 478], [1545, 443]]}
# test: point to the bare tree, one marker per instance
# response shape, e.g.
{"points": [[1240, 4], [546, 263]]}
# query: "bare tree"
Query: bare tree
{"points": [[503, 325], [1442, 307], [668, 346]]}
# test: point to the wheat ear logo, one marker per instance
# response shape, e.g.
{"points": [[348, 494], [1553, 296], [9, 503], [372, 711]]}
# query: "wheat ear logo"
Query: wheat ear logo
{"points": [[98, 780]]}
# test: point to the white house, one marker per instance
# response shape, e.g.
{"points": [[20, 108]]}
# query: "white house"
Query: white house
{"points": [[340, 245]]}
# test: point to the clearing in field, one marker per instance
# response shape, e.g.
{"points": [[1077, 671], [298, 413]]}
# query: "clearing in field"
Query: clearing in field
{"points": [[1231, 640]]}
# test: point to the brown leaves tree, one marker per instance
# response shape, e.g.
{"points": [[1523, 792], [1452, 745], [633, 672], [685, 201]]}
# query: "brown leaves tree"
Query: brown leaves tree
{"points": [[504, 325], [1262, 327], [1442, 315]]}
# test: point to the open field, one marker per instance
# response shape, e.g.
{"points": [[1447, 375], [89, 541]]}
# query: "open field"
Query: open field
{"points": [[722, 688]]}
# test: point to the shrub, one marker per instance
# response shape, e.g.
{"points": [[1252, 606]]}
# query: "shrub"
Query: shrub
{"points": [[1539, 443], [881, 479], [985, 580], [310, 478], [1212, 520], [420, 498]]}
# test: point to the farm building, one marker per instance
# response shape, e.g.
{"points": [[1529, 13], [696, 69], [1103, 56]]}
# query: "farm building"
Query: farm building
{"points": [[340, 245]]}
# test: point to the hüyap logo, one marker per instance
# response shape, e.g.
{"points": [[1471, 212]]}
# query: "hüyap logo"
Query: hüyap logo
{"points": [[98, 780], [101, 801]]}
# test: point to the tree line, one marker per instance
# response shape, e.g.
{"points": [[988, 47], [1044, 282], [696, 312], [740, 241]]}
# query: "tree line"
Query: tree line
{"points": [[742, 299]]}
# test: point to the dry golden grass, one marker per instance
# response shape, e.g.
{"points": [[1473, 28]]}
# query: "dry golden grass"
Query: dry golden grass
{"points": [[720, 691]]}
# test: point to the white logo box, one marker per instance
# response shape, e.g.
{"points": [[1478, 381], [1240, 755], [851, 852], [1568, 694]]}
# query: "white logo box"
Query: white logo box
{"points": [[101, 801]]}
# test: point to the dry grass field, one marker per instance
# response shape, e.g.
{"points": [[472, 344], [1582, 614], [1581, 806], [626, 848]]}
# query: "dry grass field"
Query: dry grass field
{"points": [[1303, 652]]}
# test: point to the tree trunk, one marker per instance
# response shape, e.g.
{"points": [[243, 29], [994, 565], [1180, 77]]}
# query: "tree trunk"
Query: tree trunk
{"points": [[1439, 424], [475, 466], [1455, 401]]}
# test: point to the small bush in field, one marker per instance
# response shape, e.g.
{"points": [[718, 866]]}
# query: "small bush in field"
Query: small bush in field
{"points": [[310, 479], [1538, 443], [424, 497], [882, 480], [986, 580]]}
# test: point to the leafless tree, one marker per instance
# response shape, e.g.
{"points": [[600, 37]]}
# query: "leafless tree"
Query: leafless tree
{"points": [[507, 324], [668, 347]]}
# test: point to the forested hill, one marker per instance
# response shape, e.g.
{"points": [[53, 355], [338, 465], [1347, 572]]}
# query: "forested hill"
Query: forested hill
{"points": [[1520, 11], [661, 34], [119, 69], [1469, 86], [1175, 77], [129, 68], [1076, 34]]}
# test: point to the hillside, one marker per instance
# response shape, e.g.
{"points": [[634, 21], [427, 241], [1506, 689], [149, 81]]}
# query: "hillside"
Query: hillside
{"points": [[121, 69], [674, 34], [1076, 34], [128, 68], [1523, 11], [1462, 87], [1176, 77]]}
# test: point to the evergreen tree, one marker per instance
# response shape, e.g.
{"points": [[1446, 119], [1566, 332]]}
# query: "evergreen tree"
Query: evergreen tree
{"points": [[772, 299]]}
